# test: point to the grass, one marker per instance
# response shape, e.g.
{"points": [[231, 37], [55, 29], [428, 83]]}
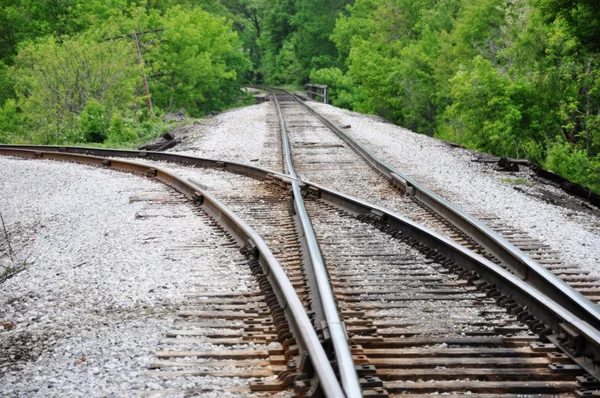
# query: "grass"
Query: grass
{"points": [[292, 87], [15, 265], [517, 181]]}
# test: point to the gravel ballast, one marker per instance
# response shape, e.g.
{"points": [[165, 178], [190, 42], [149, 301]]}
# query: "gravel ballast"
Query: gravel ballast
{"points": [[572, 229], [246, 135], [106, 279], [567, 226]]}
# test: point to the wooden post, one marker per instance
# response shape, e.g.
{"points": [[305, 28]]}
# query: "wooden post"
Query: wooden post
{"points": [[144, 81]]}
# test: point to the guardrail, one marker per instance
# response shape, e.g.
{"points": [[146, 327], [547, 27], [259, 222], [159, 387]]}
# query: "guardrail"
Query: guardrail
{"points": [[317, 90]]}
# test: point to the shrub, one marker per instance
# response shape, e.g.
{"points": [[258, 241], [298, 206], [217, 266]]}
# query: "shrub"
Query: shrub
{"points": [[10, 122], [574, 165], [57, 81], [120, 131], [341, 88], [93, 121]]}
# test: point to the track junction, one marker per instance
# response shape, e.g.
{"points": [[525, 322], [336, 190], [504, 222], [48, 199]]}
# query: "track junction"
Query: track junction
{"points": [[362, 282]]}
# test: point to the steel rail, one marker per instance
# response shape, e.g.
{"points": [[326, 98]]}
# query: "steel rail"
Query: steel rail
{"points": [[550, 285], [233, 167], [575, 336], [286, 294], [339, 338], [574, 332], [518, 262]]}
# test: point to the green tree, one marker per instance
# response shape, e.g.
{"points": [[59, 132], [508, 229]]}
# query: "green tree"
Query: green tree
{"points": [[582, 17], [277, 29], [486, 111], [55, 81], [200, 64]]}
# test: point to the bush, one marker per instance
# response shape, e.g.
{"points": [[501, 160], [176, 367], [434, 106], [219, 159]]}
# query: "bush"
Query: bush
{"points": [[120, 131], [200, 64], [93, 121], [574, 165], [341, 88], [11, 122], [68, 88], [6, 84], [484, 114]]}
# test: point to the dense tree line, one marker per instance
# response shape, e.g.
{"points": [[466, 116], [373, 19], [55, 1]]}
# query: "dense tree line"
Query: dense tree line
{"points": [[70, 73], [516, 78]]}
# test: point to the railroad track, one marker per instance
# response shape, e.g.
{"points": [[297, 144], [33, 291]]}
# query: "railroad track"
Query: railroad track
{"points": [[324, 154], [254, 327], [421, 313]]}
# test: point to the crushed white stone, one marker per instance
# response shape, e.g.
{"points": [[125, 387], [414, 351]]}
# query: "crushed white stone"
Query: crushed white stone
{"points": [[245, 135], [475, 187], [106, 278]]}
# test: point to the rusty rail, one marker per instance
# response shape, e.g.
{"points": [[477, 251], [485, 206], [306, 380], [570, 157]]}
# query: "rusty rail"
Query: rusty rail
{"points": [[325, 299], [519, 263], [294, 310], [574, 329]]}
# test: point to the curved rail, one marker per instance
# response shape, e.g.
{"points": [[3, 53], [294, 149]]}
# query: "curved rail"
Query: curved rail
{"points": [[573, 331], [341, 346], [574, 327], [233, 167], [295, 313], [518, 262]]}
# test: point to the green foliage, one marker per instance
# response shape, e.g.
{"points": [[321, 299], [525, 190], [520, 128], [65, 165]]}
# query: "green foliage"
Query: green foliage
{"points": [[58, 81], [199, 66], [341, 89], [582, 17], [120, 130], [511, 77], [65, 82], [93, 122], [7, 90], [296, 40], [486, 110], [574, 165], [11, 121]]}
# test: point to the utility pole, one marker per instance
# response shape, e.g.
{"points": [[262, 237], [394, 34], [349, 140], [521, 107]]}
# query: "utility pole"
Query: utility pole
{"points": [[134, 36], [144, 80]]}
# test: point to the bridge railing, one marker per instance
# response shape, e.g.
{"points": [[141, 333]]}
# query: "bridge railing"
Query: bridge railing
{"points": [[315, 91]]}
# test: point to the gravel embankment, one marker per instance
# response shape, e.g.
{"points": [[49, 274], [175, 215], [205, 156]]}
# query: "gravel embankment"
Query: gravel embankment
{"points": [[544, 212], [107, 275], [245, 135], [567, 226]]}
